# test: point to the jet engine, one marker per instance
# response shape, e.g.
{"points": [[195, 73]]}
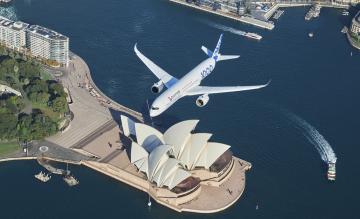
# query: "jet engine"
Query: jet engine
{"points": [[202, 100], [157, 87]]}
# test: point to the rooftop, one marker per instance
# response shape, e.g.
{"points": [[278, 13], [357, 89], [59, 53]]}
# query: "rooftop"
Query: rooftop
{"points": [[48, 33], [18, 25]]}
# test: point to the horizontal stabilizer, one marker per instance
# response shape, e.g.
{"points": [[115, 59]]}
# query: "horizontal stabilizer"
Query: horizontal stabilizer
{"points": [[200, 90], [207, 51], [227, 57]]}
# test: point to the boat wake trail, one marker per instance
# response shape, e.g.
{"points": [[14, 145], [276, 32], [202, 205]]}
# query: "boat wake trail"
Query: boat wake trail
{"points": [[225, 28], [326, 152], [9, 13]]}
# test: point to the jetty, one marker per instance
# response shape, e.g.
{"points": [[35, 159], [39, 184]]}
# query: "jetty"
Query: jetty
{"points": [[43, 162]]}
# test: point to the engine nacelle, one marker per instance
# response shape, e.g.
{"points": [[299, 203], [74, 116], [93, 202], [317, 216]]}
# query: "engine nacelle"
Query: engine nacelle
{"points": [[157, 87], [202, 100]]}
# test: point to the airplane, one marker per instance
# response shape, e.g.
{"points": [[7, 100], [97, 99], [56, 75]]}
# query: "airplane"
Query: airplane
{"points": [[189, 84]]}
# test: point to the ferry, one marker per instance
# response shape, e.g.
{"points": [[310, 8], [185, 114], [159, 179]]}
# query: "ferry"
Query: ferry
{"points": [[253, 36], [331, 174]]}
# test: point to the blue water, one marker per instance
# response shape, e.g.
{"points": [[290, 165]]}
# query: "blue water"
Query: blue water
{"points": [[313, 78]]}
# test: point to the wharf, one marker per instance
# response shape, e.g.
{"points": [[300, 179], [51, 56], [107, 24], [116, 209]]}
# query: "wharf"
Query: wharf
{"points": [[244, 19]]}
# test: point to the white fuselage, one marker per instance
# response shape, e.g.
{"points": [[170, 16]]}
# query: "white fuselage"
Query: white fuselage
{"points": [[179, 89]]}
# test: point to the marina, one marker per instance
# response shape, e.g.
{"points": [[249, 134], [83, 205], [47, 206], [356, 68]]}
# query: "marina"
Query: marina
{"points": [[314, 12]]}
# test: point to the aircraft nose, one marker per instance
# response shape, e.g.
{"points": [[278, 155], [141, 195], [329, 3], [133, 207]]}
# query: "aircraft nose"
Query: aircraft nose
{"points": [[151, 113]]}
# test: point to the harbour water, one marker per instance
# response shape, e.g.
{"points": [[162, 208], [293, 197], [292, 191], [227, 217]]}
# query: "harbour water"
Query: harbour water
{"points": [[315, 78]]}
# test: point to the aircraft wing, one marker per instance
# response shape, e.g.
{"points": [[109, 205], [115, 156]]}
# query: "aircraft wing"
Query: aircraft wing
{"points": [[199, 90], [161, 74]]}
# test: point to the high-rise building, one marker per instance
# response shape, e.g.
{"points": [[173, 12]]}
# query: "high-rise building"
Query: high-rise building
{"points": [[48, 44], [13, 34]]}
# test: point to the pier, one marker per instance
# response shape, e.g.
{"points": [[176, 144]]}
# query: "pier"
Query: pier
{"points": [[44, 163]]}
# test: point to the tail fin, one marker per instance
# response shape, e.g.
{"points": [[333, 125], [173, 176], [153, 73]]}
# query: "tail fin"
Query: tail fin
{"points": [[216, 54]]}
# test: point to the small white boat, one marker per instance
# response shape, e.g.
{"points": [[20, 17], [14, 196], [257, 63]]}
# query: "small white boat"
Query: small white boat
{"points": [[345, 13], [253, 36], [42, 177], [311, 34], [331, 174], [70, 180]]}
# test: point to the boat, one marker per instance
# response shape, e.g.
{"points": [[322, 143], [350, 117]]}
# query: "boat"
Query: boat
{"points": [[5, 3], [42, 177], [70, 180], [345, 13], [331, 174], [311, 34], [278, 14], [344, 30], [253, 36]]}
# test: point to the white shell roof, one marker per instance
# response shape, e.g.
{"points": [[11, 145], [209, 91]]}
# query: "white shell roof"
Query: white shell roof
{"points": [[153, 152], [148, 137], [212, 152], [157, 157], [178, 134], [137, 152], [179, 176]]}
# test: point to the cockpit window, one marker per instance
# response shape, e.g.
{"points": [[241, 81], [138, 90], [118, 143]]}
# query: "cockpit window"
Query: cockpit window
{"points": [[155, 108]]}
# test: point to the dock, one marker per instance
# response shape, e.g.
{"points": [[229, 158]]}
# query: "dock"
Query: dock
{"points": [[51, 169], [243, 19]]}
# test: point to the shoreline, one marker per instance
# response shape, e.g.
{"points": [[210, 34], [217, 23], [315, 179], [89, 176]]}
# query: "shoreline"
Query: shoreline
{"points": [[350, 39], [119, 176]]}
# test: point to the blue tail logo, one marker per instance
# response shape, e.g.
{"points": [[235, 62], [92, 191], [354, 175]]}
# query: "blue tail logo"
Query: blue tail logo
{"points": [[215, 54]]}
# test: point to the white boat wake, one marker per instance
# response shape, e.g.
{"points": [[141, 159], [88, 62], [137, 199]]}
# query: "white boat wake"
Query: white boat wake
{"points": [[9, 13], [324, 148], [225, 28]]}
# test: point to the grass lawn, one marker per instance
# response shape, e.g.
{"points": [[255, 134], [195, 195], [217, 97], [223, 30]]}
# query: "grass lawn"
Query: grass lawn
{"points": [[45, 75], [9, 147], [55, 116]]}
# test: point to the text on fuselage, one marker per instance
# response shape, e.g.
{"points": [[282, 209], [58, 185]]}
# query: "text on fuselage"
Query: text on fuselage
{"points": [[207, 71]]}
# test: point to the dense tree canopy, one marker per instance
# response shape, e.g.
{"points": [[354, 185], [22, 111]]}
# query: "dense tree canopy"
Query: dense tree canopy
{"points": [[46, 98]]}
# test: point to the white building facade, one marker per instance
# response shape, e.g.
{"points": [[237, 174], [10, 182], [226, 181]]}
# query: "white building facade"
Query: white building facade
{"points": [[48, 44], [13, 34]]}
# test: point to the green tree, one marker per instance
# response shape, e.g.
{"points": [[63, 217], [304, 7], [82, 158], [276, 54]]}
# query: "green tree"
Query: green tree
{"points": [[8, 123], [57, 90], [59, 104]]}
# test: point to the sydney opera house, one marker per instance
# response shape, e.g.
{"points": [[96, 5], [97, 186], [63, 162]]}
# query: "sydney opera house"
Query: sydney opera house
{"points": [[185, 170]]}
